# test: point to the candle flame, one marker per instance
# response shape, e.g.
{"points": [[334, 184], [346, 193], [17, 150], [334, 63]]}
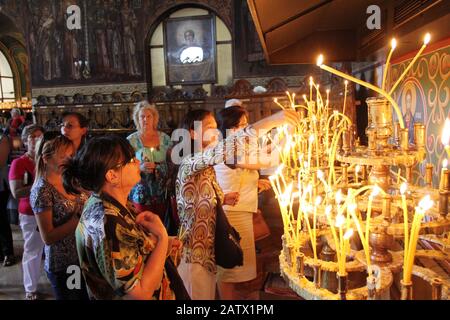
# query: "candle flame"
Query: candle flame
{"points": [[304, 208], [444, 164], [346, 82], [320, 60], [328, 210], [340, 219], [348, 234], [311, 138], [445, 138], [403, 188], [318, 201], [311, 81], [426, 203], [320, 174], [275, 100], [376, 191], [358, 168], [352, 207], [393, 43], [427, 39], [339, 196]]}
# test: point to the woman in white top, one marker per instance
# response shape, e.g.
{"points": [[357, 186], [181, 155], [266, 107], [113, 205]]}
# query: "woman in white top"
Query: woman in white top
{"points": [[242, 178]]}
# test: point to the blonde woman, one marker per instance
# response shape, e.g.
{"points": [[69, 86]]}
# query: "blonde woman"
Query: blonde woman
{"points": [[151, 147]]}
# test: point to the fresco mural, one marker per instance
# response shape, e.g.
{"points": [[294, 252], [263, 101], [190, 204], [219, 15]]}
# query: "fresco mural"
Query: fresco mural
{"points": [[424, 96], [105, 49]]}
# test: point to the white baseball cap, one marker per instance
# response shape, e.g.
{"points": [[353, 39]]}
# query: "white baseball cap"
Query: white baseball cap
{"points": [[233, 103]]}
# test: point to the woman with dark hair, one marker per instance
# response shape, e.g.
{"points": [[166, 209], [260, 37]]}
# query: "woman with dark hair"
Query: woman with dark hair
{"points": [[198, 194], [74, 126], [245, 179], [21, 177], [57, 214], [122, 254]]}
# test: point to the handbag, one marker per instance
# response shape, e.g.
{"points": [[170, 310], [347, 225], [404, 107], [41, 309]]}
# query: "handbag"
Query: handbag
{"points": [[176, 283], [260, 228], [227, 247]]}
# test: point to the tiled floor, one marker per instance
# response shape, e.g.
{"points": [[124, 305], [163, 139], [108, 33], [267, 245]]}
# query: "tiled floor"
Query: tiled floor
{"points": [[267, 285], [11, 283]]}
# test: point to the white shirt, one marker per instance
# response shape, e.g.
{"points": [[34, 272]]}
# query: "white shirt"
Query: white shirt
{"points": [[244, 181]]}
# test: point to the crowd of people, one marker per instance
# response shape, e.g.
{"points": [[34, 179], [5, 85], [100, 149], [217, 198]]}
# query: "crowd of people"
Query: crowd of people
{"points": [[99, 204]]}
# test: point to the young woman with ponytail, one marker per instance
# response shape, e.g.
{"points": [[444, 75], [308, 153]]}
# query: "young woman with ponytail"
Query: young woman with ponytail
{"points": [[57, 214]]}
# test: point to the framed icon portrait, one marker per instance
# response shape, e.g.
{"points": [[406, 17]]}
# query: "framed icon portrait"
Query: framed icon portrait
{"points": [[190, 50]]}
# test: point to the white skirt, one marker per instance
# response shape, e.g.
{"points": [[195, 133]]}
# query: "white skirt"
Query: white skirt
{"points": [[243, 223]]}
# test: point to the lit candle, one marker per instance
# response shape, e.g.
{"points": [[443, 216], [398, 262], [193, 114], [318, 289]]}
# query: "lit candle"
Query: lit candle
{"points": [[347, 237], [279, 104], [316, 204], [426, 40], [357, 169], [429, 175], [345, 95], [311, 140], [444, 167], [352, 208], [340, 219], [425, 204], [364, 84], [328, 210], [310, 88], [445, 138], [328, 98], [393, 46], [151, 155], [311, 236], [405, 218], [398, 175]]}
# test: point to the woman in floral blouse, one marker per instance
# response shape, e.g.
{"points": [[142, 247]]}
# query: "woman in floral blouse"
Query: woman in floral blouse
{"points": [[122, 254], [57, 214], [197, 188], [151, 147]]}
